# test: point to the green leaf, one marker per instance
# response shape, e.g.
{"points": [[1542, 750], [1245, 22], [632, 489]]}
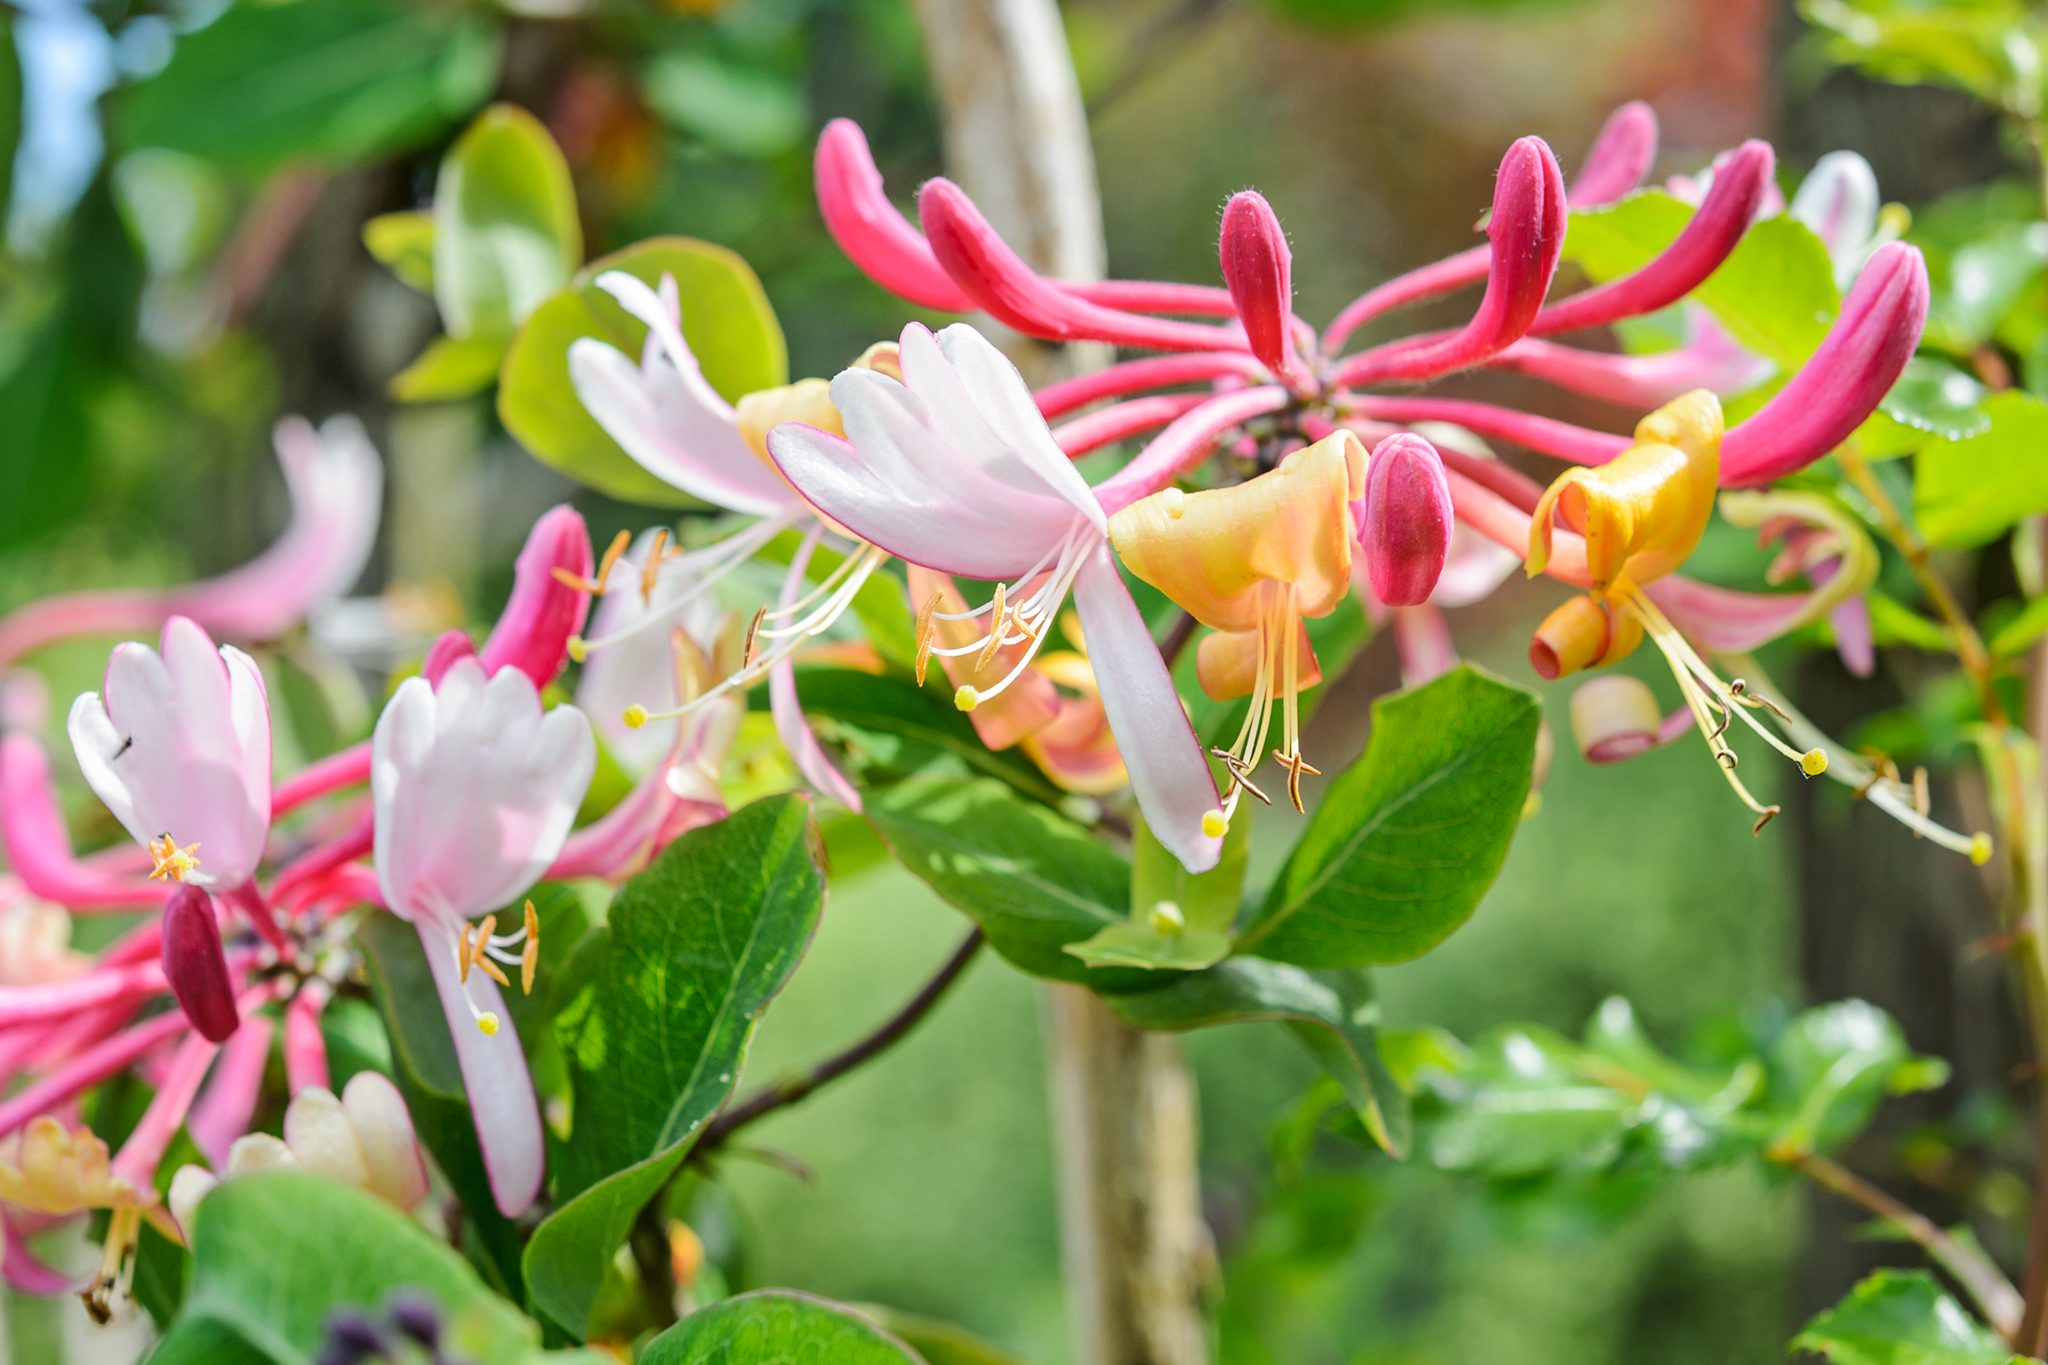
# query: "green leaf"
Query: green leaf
{"points": [[335, 82], [746, 111], [1971, 491], [10, 108], [1832, 1066], [1989, 48], [450, 367], [657, 1009], [1406, 841], [892, 728], [2020, 633], [1979, 284], [1902, 1317], [1033, 880], [1333, 1016], [726, 320], [1153, 947], [404, 243], [1933, 398], [505, 229], [274, 1253], [939, 1343], [777, 1327], [1775, 293]]}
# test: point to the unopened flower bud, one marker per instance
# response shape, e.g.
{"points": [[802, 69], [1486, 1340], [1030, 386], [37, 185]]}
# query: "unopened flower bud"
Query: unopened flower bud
{"points": [[259, 1152], [1615, 717], [1583, 633], [384, 1134], [1405, 519], [1258, 268], [317, 1130], [190, 1185], [195, 966]]}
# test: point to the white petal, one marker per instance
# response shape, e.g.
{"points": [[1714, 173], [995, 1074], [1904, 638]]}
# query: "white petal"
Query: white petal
{"points": [[494, 1074], [322, 1139], [384, 1132]]}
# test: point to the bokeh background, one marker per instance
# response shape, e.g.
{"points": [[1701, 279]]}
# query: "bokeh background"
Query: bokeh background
{"points": [[159, 310]]}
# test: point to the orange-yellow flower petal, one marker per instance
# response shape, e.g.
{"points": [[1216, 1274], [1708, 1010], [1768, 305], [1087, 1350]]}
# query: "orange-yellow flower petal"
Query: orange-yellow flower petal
{"points": [[1076, 751], [1583, 633], [1227, 663], [1214, 552], [1642, 512]]}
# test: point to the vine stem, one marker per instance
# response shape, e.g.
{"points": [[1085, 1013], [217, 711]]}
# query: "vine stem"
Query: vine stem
{"points": [[1982, 1281], [886, 1035]]}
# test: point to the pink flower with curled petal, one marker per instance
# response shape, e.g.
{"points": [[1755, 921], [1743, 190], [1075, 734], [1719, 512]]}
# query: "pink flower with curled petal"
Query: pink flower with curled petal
{"points": [[177, 745], [335, 481], [475, 790], [952, 468]]}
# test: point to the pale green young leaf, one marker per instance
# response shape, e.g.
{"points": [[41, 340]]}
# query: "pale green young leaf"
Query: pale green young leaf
{"points": [[505, 234]]}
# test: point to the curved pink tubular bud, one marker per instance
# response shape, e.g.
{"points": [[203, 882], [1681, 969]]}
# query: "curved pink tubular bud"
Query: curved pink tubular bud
{"points": [[999, 281], [335, 483], [1726, 213], [224, 1109], [1638, 382], [868, 228], [1259, 270], [38, 847], [1845, 379], [1130, 376], [196, 966], [1541, 434], [1106, 426], [305, 1047], [1425, 282], [1404, 520], [1527, 233], [345, 768], [1619, 158], [1185, 443], [42, 1002], [532, 634], [176, 1088]]}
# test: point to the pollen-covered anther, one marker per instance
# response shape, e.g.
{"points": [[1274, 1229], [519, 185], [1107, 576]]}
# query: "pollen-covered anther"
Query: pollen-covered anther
{"points": [[999, 614], [927, 628], [1296, 766], [172, 862], [529, 958], [753, 633], [1768, 814], [595, 587], [658, 554], [965, 697]]}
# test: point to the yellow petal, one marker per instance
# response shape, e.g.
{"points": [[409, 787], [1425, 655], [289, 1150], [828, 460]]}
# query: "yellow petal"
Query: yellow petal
{"points": [[808, 401], [1642, 512], [1227, 663], [1583, 633], [1214, 552]]}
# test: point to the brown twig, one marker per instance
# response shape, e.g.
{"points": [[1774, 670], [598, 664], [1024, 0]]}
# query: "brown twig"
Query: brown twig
{"points": [[892, 1030], [1978, 1278]]}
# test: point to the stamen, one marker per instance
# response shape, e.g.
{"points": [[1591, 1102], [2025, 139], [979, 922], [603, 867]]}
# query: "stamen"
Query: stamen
{"points": [[650, 572], [596, 586], [172, 863], [926, 629], [117, 1263], [753, 629], [995, 632], [529, 960], [465, 952]]}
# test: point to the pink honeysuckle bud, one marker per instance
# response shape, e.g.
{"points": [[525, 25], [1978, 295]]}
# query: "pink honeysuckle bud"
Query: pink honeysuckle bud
{"points": [[1845, 379], [1259, 270], [449, 649], [1404, 519], [999, 281], [196, 966], [1615, 717], [1527, 236], [868, 228], [1723, 216], [178, 748], [1619, 158], [532, 634]]}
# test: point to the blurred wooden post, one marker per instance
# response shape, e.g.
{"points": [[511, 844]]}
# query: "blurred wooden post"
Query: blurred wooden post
{"points": [[1136, 1254]]}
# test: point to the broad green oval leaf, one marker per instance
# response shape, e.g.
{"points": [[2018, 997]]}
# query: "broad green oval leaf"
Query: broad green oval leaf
{"points": [[777, 1327], [451, 367], [1902, 1317], [1971, 491], [404, 243], [891, 728], [1334, 1017], [726, 320], [335, 82], [1406, 841], [1775, 293], [1832, 1066], [505, 229], [274, 1253], [1033, 880], [657, 1008]]}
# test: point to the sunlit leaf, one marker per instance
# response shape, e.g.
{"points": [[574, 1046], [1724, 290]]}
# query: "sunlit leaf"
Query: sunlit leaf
{"points": [[1902, 1317], [774, 1325], [1970, 491], [505, 230]]}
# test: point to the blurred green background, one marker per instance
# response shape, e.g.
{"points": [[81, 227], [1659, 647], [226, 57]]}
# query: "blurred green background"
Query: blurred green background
{"points": [[184, 265]]}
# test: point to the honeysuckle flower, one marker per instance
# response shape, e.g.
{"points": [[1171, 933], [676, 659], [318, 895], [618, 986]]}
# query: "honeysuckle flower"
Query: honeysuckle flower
{"points": [[1405, 520], [1840, 201], [50, 1169], [1253, 562], [474, 790], [976, 659], [953, 468], [363, 1138], [1076, 748], [178, 748], [665, 415], [335, 482]]}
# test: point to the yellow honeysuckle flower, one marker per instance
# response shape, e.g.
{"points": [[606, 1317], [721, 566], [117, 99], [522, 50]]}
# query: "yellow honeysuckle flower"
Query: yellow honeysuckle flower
{"points": [[50, 1169], [1252, 562], [1642, 512]]}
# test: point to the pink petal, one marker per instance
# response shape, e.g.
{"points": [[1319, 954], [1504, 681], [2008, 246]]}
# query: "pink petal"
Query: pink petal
{"points": [[501, 1099]]}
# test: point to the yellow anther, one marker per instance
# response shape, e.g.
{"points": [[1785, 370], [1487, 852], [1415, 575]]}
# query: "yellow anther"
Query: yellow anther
{"points": [[635, 716], [1296, 765], [753, 629], [1000, 618], [1214, 826], [1167, 920], [529, 958], [965, 697], [1813, 762], [579, 648], [172, 863], [1980, 849], [611, 558], [650, 570], [487, 1023], [464, 953], [926, 628], [490, 968]]}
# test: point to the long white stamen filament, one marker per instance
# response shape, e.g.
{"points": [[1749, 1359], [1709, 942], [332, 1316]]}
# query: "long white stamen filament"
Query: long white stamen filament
{"points": [[706, 568]]}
